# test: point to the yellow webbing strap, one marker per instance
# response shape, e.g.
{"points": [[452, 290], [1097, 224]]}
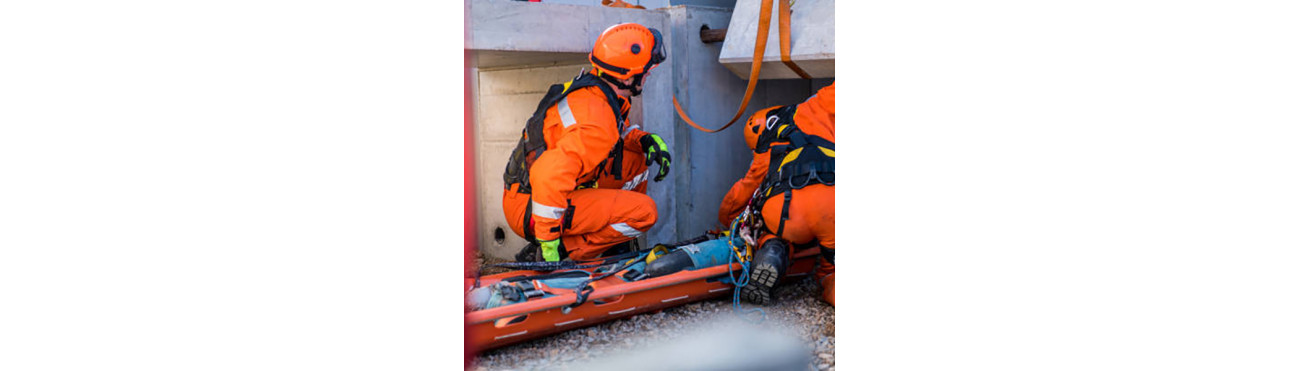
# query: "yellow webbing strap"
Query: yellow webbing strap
{"points": [[789, 157]]}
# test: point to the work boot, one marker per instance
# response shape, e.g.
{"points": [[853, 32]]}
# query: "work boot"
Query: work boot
{"points": [[768, 267]]}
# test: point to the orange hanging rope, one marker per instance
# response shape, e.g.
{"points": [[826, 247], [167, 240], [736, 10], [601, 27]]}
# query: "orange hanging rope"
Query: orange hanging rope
{"points": [[785, 42], [760, 46]]}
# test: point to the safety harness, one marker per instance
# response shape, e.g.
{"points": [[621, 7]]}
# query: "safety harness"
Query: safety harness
{"points": [[798, 159], [532, 144]]}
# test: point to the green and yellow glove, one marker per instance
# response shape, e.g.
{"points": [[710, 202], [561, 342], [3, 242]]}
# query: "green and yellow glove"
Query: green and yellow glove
{"points": [[656, 152], [551, 250]]}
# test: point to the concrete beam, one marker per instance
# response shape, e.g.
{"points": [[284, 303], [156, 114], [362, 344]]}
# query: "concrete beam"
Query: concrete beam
{"points": [[545, 27], [812, 40]]}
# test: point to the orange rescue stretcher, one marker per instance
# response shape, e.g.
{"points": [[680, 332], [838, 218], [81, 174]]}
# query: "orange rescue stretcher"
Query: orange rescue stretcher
{"points": [[544, 309]]}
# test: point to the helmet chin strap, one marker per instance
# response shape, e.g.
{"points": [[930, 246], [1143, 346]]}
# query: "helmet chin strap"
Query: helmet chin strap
{"points": [[634, 87]]}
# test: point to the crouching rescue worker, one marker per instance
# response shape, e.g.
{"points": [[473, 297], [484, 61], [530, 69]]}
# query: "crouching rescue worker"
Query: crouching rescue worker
{"points": [[575, 183], [790, 191]]}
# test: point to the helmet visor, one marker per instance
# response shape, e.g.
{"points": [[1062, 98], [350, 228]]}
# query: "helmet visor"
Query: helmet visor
{"points": [[658, 54]]}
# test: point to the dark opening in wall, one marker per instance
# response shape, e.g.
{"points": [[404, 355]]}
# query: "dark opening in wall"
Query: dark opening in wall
{"points": [[499, 236]]}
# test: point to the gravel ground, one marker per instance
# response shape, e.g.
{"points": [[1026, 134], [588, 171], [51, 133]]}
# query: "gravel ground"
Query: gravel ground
{"points": [[798, 311]]}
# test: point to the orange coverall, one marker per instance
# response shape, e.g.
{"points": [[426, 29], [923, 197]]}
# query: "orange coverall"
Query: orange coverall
{"points": [[579, 132], [812, 208]]}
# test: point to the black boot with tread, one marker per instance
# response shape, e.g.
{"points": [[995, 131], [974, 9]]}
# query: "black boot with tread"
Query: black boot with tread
{"points": [[767, 269]]}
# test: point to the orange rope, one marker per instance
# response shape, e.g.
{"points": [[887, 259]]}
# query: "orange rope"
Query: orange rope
{"points": [[760, 46], [785, 41]]}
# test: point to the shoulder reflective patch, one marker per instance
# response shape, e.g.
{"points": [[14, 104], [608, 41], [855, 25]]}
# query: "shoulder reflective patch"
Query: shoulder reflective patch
{"points": [[625, 229], [566, 115], [549, 212]]}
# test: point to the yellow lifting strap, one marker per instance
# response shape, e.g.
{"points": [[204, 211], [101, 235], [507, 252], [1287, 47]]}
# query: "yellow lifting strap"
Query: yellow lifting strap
{"points": [[760, 47]]}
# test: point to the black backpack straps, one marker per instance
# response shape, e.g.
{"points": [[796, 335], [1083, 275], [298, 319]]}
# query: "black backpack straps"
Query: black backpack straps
{"points": [[532, 142], [615, 104]]}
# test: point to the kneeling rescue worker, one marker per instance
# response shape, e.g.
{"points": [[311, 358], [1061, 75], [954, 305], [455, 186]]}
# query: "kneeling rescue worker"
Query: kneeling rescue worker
{"points": [[791, 185], [576, 182]]}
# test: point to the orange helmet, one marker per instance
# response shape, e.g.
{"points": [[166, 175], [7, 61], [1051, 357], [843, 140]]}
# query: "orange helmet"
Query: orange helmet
{"points": [[757, 123], [627, 50]]}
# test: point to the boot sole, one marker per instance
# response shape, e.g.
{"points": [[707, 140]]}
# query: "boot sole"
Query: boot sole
{"points": [[762, 280]]}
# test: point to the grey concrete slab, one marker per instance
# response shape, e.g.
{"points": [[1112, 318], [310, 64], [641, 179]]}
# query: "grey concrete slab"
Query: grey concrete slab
{"points": [[496, 59], [545, 27], [812, 40]]}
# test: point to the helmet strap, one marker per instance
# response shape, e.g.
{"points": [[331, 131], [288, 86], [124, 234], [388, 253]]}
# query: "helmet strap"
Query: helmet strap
{"points": [[634, 87]]}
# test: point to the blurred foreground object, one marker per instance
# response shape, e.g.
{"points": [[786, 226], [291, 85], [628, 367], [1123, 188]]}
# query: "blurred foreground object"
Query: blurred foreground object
{"points": [[730, 345]]}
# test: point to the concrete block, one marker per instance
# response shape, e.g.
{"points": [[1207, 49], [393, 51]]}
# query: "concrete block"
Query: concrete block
{"points": [[503, 78], [812, 40], [545, 27]]}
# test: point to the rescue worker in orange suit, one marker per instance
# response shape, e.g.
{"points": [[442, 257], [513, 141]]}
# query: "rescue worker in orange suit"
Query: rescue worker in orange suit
{"points": [[791, 183], [575, 183]]}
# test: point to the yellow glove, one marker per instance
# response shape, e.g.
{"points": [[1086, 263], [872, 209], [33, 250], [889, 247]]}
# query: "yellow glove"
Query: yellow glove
{"points": [[551, 250]]}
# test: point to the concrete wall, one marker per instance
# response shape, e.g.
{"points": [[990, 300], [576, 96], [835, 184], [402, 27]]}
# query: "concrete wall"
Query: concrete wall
{"points": [[812, 40]]}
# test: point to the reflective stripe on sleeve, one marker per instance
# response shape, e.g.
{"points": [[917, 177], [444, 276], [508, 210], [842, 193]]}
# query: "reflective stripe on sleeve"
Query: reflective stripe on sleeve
{"points": [[629, 129], [566, 115], [640, 178], [549, 212], [625, 229]]}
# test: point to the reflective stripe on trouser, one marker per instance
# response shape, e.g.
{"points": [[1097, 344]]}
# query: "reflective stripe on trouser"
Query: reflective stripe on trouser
{"points": [[635, 176], [812, 217], [601, 218], [605, 217]]}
